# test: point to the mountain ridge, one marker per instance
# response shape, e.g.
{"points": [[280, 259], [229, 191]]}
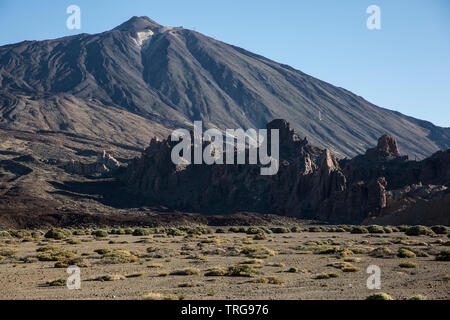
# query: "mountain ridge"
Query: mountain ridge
{"points": [[179, 76]]}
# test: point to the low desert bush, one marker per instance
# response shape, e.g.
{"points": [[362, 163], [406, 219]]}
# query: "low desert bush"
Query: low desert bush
{"points": [[139, 232], [359, 230], [110, 277], [280, 230], [58, 234], [56, 283], [418, 297], [418, 231], [269, 280], [7, 252], [260, 252], [379, 296], [344, 266], [51, 253], [375, 229], [186, 272], [440, 229], [216, 272], [242, 271], [100, 233], [444, 255], [381, 252], [5, 234], [405, 253], [119, 256], [327, 275], [102, 251], [408, 264]]}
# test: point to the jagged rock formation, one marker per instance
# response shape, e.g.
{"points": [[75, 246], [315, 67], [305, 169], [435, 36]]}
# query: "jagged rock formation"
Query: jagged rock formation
{"points": [[105, 165], [310, 183]]}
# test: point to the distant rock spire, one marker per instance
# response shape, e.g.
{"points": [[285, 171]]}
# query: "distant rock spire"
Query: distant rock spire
{"points": [[389, 145]]}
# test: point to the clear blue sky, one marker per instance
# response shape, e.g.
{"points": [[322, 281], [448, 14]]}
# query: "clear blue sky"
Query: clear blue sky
{"points": [[405, 66]]}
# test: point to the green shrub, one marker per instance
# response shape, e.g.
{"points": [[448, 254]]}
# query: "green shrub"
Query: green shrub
{"points": [[358, 250], [7, 253], [346, 227], [242, 270], [327, 275], [197, 230], [139, 232], [388, 230], [110, 277], [379, 296], [270, 280], [280, 230], [100, 233], [348, 267], [254, 230], [57, 255], [381, 252], [5, 234], [102, 251], [314, 229], [258, 252], [119, 256], [408, 264], [186, 272], [57, 283], [216, 272], [71, 262], [405, 253], [118, 231], [440, 229], [418, 231], [444, 255], [73, 241], [175, 232], [375, 229], [20, 234], [327, 250], [58, 234], [418, 297], [359, 230]]}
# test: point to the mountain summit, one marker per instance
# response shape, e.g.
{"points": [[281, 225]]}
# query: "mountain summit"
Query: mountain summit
{"points": [[143, 79], [138, 24]]}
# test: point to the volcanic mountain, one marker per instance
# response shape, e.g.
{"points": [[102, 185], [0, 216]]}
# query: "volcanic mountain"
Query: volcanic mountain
{"points": [[142, 79]]}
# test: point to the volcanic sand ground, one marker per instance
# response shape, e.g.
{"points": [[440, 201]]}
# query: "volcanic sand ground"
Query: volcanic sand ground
{"points": [[19, 280]]}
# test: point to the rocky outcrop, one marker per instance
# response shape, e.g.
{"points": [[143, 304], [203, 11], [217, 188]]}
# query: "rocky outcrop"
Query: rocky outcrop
{"points": [[105, 165], [388, 146], [415, 204], [310, 183]]}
